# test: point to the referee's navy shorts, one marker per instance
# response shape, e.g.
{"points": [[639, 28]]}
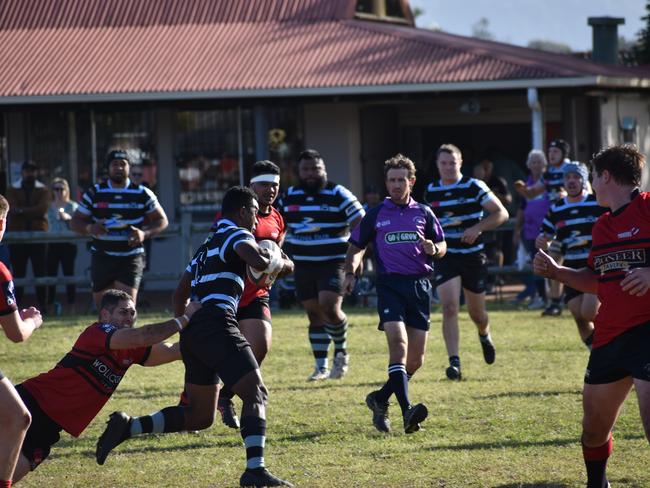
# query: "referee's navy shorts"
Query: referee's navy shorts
{"points": [[404, 299]]}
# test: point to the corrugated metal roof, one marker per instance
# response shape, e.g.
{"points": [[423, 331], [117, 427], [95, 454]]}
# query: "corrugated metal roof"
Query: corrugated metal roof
{"points": [[92, 52], [65, 14]]}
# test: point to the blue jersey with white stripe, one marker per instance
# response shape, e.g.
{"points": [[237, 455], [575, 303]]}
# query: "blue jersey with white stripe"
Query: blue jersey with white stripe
{"points": [[217, 270], [458, 207], [318, 223], [120, 208], [571, 224]]}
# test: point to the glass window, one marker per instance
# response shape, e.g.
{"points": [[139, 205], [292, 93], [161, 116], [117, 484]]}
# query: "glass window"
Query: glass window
{"points": [[133, 132], [285, 140], [208, 146], [47, 144]]}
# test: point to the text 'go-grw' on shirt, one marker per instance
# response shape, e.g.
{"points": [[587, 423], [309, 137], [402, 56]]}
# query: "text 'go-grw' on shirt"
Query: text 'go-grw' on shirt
{"points": [[458, 207], [217, 270], [120, 208], [318, 223], [395, 232]]}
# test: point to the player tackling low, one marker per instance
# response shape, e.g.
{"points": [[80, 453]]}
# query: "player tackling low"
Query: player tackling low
{"points": [[405, 235], [618, 270]]}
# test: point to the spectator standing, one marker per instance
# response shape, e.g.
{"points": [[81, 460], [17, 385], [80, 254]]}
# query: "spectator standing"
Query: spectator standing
{"points": [[528, 221], [29, 201], [61, 253]]}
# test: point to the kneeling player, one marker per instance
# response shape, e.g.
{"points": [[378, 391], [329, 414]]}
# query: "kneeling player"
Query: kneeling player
{"points": [[69, 396], [406, 236]]}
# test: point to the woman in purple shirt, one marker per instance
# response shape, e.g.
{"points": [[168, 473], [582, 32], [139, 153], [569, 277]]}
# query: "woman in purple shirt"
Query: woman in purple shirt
{"points": [[529, 220]]}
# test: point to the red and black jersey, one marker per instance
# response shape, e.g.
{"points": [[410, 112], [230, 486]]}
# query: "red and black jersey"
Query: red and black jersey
{"points": [[7, 298], [269, 226], [73, 393], [621, 241]]}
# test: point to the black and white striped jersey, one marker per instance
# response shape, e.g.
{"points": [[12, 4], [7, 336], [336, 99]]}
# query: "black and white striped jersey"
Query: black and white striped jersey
{"points": [[318, 224], [120, 208], [217, 271], [459, 206], [554, 179], [571, 224]]}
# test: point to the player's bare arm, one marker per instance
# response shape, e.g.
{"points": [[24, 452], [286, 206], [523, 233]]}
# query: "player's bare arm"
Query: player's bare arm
{"points": [[181, 294], [149, 335], [85, 225], [163, 353], [154, 223], [253, 255], [583, 279], [353, 258], [497, 215], [19, 326]]}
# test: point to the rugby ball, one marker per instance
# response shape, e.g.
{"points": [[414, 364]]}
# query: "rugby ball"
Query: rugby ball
{"points": [[260, 278]]}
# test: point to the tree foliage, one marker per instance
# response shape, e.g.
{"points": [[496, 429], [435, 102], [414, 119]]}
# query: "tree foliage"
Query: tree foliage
{"points": [[642, 48], [551, 46]]}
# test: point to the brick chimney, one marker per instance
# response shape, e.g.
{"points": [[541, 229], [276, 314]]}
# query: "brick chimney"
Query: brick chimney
{"points": [[605, 38]]}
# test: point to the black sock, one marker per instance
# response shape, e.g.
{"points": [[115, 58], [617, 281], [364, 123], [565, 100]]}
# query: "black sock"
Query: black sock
{"points": [[225, 394], [596, 463], [253, 431], [339, 334], [557, 301], [454, 361], [169, 419], [319, 340]]}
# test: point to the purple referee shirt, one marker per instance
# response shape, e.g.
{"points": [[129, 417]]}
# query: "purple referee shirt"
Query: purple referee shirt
{"points": [[395, 232]]}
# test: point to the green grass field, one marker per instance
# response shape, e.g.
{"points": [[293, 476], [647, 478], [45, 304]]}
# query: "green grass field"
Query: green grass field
{"points": [[513, 424]]}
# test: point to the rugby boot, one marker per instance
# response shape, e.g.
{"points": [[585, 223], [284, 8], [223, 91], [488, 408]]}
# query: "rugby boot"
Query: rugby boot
{"points": [[259, 477], [319, 374], [117, 431], [553, 310], [489, 351], [413, 416], [340, 368], [228, 415], [379, 412]]}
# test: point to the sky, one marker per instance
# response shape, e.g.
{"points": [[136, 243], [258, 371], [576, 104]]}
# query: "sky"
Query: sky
{"points": [[519, 21]]}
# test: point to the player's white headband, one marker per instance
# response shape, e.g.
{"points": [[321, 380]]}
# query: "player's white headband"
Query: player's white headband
{"points": [[266, 178]]}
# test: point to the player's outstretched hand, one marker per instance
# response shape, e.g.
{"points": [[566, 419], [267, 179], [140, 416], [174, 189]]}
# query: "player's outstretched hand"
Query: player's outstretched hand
{"points": [[34, 314], [544, 265], [636, 281], [191, 308], [470, 235]]}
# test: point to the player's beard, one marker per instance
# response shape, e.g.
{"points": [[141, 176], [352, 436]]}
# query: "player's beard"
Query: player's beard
{"points": [[119, 179], [315, 185]]}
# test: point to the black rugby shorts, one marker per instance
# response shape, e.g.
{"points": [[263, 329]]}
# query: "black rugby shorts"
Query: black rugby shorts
{"points": [[626, 355], [312, 278], [213, 347], [105, 269]]}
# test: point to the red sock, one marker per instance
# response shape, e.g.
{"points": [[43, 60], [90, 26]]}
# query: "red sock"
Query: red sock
{"points": [[596, 463], [5, 484]]}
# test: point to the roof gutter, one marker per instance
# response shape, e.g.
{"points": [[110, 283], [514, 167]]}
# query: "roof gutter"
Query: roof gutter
{"points": [[593, 81]]}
